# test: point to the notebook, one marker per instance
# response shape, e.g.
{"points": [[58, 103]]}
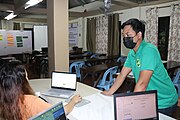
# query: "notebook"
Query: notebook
{"points": [[55, 112], [63, 85], [136, 106]]}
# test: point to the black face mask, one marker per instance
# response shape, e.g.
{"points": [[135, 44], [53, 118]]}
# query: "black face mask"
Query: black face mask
{"points": [[128, 42]]}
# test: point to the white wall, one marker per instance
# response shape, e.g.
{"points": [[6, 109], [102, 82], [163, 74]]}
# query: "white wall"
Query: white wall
{"points": [[127, 14], [7, 25], [163, 9], [137, 12]]}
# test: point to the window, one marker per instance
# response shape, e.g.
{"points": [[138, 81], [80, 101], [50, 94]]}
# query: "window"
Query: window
{"points": [[163, 36]]}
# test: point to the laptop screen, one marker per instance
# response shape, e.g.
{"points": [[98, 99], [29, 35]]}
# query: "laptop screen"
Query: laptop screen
{"points": [[136, 105], [55, 112], [63, 80]]}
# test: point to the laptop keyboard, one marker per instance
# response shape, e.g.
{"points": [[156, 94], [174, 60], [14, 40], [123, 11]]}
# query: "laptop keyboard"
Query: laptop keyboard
{"points": [[59, 93], [56, 91]]}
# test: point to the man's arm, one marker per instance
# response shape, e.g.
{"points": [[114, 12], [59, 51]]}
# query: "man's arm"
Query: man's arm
{"points": [[143, 80], [118, 82]]}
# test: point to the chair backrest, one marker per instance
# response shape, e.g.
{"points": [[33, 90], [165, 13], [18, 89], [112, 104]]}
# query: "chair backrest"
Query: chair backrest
{"points": [[94, 56], [177, 77], [77, 65], [122, 59], [88, 53], [108, 76]]}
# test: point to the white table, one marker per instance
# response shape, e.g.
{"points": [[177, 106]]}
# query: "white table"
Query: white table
{"points": [[42, 85], [100, 108]]}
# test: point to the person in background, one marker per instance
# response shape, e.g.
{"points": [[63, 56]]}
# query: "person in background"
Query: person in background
{"points": [[145, 62], [17, 99]]}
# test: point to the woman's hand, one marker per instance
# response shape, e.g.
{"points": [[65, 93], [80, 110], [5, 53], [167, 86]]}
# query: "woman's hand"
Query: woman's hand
{"points": [[75, 99]]}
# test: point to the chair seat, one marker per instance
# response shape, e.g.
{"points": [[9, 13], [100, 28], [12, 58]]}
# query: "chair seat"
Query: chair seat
{"points": [[106, 86]]}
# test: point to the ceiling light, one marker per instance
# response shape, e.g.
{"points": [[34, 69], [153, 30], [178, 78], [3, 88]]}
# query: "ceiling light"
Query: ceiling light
{"points": [[10, 16], [32, 3]]}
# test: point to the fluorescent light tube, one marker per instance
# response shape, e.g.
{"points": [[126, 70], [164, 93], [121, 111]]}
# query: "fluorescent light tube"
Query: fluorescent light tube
{"points": [[10, 16], [32, 3]]}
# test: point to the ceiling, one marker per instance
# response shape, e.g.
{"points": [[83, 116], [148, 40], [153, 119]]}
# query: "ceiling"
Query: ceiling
{"points": [[77, 8]]}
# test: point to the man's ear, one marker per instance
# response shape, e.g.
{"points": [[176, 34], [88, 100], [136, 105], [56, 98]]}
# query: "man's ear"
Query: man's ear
{"points": [[139, 34]]}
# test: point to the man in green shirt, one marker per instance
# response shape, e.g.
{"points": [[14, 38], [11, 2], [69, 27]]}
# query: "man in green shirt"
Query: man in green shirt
{"points": [[145, 62]]}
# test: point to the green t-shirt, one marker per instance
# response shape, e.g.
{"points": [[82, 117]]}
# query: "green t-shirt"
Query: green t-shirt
{"points": [[147, 57]]}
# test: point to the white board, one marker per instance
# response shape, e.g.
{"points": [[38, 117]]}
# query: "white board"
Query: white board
{"points": [[40, 37], [15, 42]]}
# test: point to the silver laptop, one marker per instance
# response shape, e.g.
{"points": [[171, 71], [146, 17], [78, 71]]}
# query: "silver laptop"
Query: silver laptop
{"points": [[136, 106], [55, 112], [63, 85]]}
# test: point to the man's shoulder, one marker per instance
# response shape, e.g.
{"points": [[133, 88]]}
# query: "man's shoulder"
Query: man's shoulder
{"points": [[149, 47]]}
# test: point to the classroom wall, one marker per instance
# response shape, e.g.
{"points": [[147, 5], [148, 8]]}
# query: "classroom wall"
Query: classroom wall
{"points": [[126, 14], [137, 12], [8, 24]]}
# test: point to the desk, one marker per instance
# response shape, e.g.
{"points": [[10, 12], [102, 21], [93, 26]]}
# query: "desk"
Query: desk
{"points": [[100, 108], [42, 85], [78, 56], [96, 60], [97, 69], [8, 58]]}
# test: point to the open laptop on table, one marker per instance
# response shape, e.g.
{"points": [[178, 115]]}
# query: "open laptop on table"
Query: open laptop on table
{"points": [[63, 85], [55, 112], [136, 106]]}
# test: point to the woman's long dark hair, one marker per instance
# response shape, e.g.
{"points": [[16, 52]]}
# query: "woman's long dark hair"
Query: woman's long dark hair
{"points": [[13, 87]]}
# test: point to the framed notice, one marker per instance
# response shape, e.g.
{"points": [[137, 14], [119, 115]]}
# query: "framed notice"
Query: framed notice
{"points": [[73, 33]]}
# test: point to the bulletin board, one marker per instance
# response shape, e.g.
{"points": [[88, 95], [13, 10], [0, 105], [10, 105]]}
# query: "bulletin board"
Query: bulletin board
{"points": [[15, 42]]}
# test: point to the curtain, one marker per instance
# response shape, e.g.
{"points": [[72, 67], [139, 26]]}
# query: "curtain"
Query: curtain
{"points": [[152, 26], [16, 26], [91, 34], [113, 34], [101, 34], [174, 34]]}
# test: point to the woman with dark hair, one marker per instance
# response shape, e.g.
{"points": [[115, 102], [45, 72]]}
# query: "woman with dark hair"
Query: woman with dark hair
{"points": [[17, 99]]}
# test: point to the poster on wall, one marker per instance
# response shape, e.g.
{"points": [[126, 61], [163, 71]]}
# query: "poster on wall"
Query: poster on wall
{"points": [[15, 42], [73, 33]]}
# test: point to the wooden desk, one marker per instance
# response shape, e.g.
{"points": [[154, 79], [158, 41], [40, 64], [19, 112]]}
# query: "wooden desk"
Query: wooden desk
{"points": [[102, 59], [97, 69], [8, 58], [78, 56], [81, 56]]}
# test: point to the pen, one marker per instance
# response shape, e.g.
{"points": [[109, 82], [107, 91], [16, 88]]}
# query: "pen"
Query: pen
{"points": [[43, 99]]}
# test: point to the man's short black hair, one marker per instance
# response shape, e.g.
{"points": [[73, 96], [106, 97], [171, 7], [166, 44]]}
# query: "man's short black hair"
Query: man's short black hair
{"points": [[137, 25]]}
